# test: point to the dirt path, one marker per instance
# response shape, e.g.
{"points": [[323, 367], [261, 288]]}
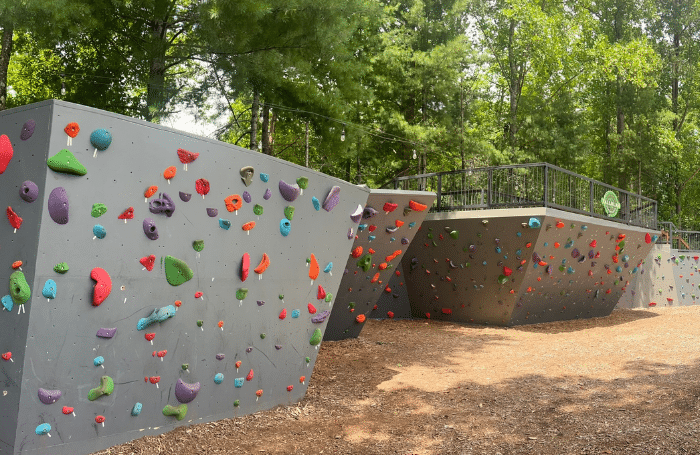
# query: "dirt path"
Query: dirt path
{"points": [[628, 383]]}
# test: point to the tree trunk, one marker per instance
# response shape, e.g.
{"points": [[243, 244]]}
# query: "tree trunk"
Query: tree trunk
{"points": [[254, 116], [5, 55], [266, 149], [156, 93]]}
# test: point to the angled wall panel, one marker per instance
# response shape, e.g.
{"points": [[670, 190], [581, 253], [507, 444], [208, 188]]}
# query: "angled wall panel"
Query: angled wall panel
{"points": [[655, 286], [227, 298]]}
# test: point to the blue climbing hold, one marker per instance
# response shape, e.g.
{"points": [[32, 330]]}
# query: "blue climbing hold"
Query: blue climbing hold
{"points": [[618, 269], [534, 223], [328, 268], [42, 429], [361, 227], [101, 139], [49, 290], [285, 227], [372, 237], [7, 302], [99, 231], [219, 378], [411, 224], [295, 314], [224, 224], [136, 410], [99, 360], [158, 315], [264, 177], [238, 382], [316, 203]]}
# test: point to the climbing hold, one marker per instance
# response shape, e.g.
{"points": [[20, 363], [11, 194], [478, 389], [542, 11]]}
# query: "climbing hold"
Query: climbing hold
{"points": [[6, 152], [185, 392], [67, 410], [258, 209], [202, 187], [332, 199], [27, 129], [136, 410], [186, 156], [106, 388], [356, 216], [98, 209], [250, 376], [99, 360], [43, 429], [127, 214], [169, 173], [64, 162], [248, 226], [454, 234], [321, 293], [158, 315], [365, 262], [534, 223], [100, 139], [328, 268], [177, 271], [61, 268], [233, 202], [58, 205], [103, 285], [106, 333], [247, 174], [99, 231], [179, 412], [246, 197], [7, 303], [49, 396], [148, 262], [418, 207], [289, 192], [162, 204], [320, 317], [285, 227], [316, 338], [151, 190], [19, 288], [268, 194], [198, 245], [150, 229], [264, 264], [289, 212], [28, 191], [311, 308], [224, 224], [49, 290], [295, 313], [559, 224], [313, 268], [264, 177], [184, 197], [316, 203], [245, 266], [241, 293], [283, 313]]}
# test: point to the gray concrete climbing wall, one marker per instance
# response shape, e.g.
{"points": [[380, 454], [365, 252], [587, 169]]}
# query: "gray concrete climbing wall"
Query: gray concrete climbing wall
{"points": [[220, 315], [389, 222], [520, 266], [393, 304], [686, 277], [655, 285]]}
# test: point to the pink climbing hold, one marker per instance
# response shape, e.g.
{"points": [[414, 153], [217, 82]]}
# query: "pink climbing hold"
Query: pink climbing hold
{"points": [[283, 313], [6, 152], [314, 269], [312, 309], [14, 219], [245, 266], [321, 294], [148, 262], [103, 285]]}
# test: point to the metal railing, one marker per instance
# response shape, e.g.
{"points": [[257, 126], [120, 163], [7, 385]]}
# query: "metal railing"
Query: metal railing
{"points": [[529, 185], [679, 239]]}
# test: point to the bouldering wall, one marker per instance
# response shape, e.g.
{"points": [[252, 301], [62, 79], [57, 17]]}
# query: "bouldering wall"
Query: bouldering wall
{"points": [[655, 285], [393, 304], [685, 275], [520, 266], [164, 279], [387, 226]]}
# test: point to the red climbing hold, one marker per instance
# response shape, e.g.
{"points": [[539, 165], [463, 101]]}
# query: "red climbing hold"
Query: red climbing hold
{"points": [[647, 238], [357, 252], [372, 228], [259, 393], [507, 271], [375, 278], [250, 376], [321, 294], [103, 285], [6, 152], [528, 245], [314, 269], [245, 266], [202, 186], [417, 206], [312, 309], [283, 313], [302, 379], [154, 379], [14, 219], [67, 410], [127, 214], [652, 303], [100, 419], [16, 264], [148, 261], [383, 266], [560, 224], [238, 364], [615, 258], [7, 356], [220, 324], [149, 336], [290, 388], [162, 353], [390, 207], [186, 156], [198, 294], [593, 244], [446, 311], [178, 303], [370, 250], [390, 314]]}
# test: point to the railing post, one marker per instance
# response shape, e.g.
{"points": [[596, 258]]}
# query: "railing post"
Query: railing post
{"points": [[439, 192], [627, 208], [591, 196], [545, 197], [396, 184], [490, 189]]}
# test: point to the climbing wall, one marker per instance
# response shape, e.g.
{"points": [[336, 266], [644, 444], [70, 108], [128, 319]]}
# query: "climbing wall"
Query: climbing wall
{"points": [[389, 222], [687, 279], [655, 285], [520, 266], [164, 279], [393, 304]]}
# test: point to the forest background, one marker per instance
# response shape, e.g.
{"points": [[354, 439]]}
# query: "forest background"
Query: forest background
{"points": [[372, 89]]}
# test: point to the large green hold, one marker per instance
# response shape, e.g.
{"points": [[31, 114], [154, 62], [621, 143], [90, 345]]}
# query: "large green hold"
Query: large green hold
{"points": [[178, 411], [66, 163], [365, 262], [98, 209], [19, 288], [454, 234], [106, 388], [176, 271], [316, 337]]}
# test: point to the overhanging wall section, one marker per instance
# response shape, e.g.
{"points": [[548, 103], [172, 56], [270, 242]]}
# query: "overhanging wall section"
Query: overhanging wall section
{"points": [[219, 317]]}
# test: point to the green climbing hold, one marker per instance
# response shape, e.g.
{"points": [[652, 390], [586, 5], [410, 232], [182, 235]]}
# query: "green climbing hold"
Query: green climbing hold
{"points": [[308, 359], [198, 245], [430, 235], [289, 212], [281, 296], [351, 305], [454, 234], [106, 388], [237, 403], [316, 338], [177, 271], [241, 293], [98, 209], [65, 162], [178, 411], [185, 366], [61, 268], [434, 243], [258, 209], [200, 323], [365, 262], [19, 288], [329, 297], [502, 279], [262, 336], [303, 183]]}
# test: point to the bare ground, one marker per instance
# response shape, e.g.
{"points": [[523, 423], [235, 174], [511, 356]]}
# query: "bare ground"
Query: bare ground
{"points": [[625, 384]]}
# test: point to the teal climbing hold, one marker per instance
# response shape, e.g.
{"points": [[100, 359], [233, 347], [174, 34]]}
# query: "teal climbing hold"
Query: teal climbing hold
{"points": [[328, 267], [99, 360], [264, 177], [285, 227], [49, 290], [7, 302], [99, 231], [534, 223], [158, 315], [238, 382], [42, 429], [295, 313], [219, 378], [316, 203], [136, 410], [224, 224]]}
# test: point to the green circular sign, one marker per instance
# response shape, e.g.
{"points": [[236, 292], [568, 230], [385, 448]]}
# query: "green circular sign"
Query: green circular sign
{"points": [[610, 203]]}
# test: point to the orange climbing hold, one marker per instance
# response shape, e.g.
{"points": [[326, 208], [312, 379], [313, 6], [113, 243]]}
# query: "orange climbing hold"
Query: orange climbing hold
{"points": [[302, 379], [375, 278], [360, 318], [560, 224], [150, 191], [259, 393], [370, 250], [417, 206], [556, 245], [248, 226], [399, 223], [16, 264], [170, 172], [178, 303], [233, 202], [314, 269], [264, 264], [357, 252], [72, 129], [221, 324], [383, 266], [238, 364], [393, 255], [387, 289], [528, 245]]}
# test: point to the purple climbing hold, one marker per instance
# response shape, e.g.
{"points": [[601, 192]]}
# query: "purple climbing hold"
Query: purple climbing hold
{"points": [[185, 197], [49, 396], [368, 213], [150, 229], [212, 212], [404, 241], [289, 192], [58, 205], [320, 317], [536, 258], [261, 302], [575, 253], [350, 233], [246, 197], [220, 356], [185, 392], [249, 349], [162, 204], [357, 215], [332, 199], [27, 129], [106, 333], [29, 191], [267, 194], [278, 346]]}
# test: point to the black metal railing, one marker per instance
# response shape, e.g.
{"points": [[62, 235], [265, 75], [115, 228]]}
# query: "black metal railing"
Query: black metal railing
{"points": [[679, 239], [529, 185]]}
